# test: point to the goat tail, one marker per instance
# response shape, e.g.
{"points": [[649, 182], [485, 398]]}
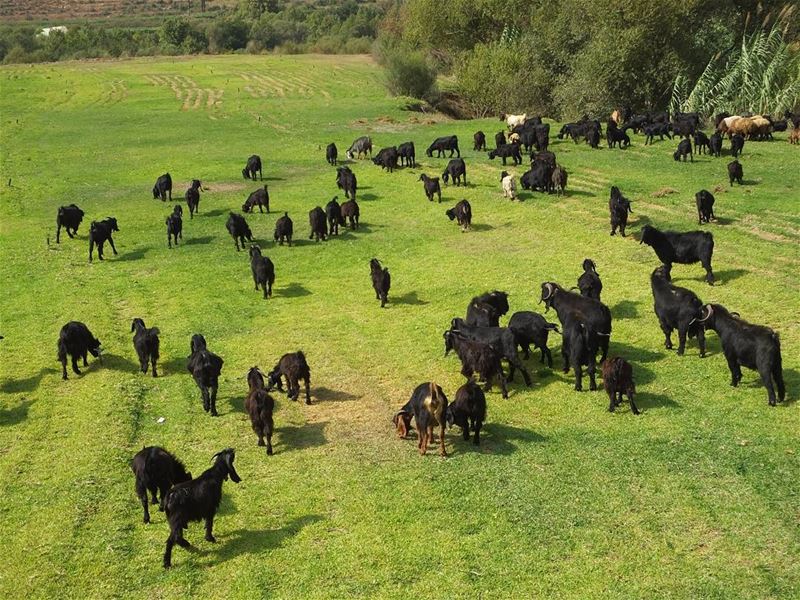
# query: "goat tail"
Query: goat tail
{"points": [[608, 335]]}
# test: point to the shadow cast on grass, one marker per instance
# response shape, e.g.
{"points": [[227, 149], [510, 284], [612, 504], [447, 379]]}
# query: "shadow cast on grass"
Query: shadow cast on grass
{"points": [[310, 435], [496, 438], [324, 394], [292, 290], [481, 227], [367, 197], [217, 212], [729, 275], [409, 298], [28, 384], [198, 240], [625, 309], [634, 354], [15, 415], [135, 255], [173, 366], [117, 363], [646, 401], [256, 541], [570, 193]]}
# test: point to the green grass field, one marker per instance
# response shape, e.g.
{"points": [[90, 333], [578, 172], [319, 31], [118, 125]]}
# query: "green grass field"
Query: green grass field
{"points": [[696, 498]]}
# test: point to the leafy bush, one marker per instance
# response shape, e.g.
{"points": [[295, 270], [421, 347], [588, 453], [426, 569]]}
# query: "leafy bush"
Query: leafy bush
{"points": [[409, 74]]}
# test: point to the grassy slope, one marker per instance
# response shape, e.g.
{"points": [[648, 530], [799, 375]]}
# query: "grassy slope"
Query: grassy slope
{"points": [[695, 498]]}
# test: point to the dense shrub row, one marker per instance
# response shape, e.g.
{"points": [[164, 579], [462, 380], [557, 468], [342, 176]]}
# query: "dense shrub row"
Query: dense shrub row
{"points": [[255, 26]]}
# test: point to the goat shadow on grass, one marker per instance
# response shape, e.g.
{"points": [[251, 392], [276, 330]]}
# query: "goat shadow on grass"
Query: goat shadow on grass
{"points": [[409, 298], [17, 414], [367, 197], [722, 221], [625, 309], [481, 227], [135, 255], [256, 541], [646, 401], [310, 435], [324, 394], [292, 290], [635, 355], [28, 384], [214, 213], [118, 363], [172, 366], [198, 240], [791, 379], [496, 438], [751, 380]]}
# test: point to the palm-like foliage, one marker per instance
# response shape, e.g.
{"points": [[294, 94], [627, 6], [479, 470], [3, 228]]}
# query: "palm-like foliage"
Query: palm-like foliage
{"points": [[761, 75]]}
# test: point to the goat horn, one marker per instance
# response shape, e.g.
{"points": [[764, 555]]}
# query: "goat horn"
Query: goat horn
{"points": [[710, 312]]}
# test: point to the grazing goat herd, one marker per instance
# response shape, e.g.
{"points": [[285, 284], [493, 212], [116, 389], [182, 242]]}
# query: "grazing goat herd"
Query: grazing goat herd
{"points": [[479, 341]]}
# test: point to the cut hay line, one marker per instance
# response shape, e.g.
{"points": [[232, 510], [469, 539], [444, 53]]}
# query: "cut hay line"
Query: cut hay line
{"points": [[186, 91], [666, 191]]}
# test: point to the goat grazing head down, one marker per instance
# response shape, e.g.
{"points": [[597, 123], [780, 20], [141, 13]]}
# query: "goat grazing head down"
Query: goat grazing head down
{"points": [[402, 423], [225, 458]]}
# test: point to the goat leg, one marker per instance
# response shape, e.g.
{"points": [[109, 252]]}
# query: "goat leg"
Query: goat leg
{"points": [[634, 410], [308, 390], [442, 449], [209, 526], [612, 404], [113, 247], [214, 401], [75, 368]]}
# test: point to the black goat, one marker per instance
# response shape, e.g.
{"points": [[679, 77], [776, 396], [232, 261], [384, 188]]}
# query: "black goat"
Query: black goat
{"points": [[293, 367], [657, 129], [252, 167], [387, 159], [618, 207], [331, 154], [428, 405], [497, 299], [479, 141], [146, 344], [197, 500], [596, 315], [684, 150], [715, 144], [351, 213], [589, 282], [705, 206], [462, 212], [259, 198], [746, 345], [333, 212], [239, 229], [455, 170], [737, 145], [381, 281], [618, 380], [346, 181], [735, 172], [701, 142], [540, 177], [443, 144], [532, 328], [476, 357], [407, 154], [99, 233], [431, 185], [499, 139], [682, 248], [500, 338], [163, 188], [482, 314], [205, 368], [77, 341], [156, 471], [507, 151], [68, 217], [259, 406], [617, 137], [579, 345], [174, 224], [192, 197], [468, 410], [263, 270], [284, 229], [319, 224], [677, 308]]}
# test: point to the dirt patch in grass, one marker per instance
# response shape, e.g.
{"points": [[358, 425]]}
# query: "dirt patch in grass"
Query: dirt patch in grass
{"points": [[666, 191]]}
